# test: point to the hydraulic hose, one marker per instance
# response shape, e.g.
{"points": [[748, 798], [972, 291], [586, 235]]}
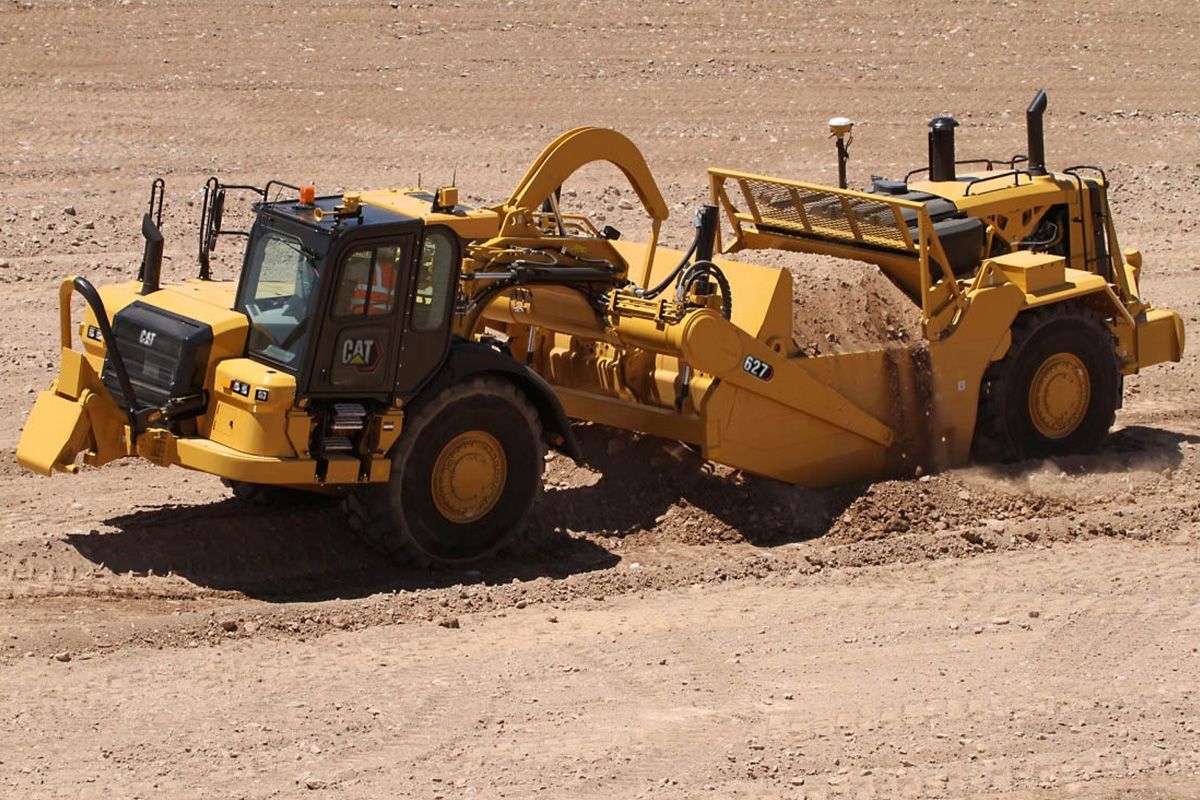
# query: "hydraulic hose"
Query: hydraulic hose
{"points": [[707, 269], [667, 281], [701, 249]]}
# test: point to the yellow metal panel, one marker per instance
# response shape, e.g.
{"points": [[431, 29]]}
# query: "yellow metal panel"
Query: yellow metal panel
{"points": [[157, 445], [210, 302], [239, 428], [1160, 337], [581, 146], [478, 223], [342, 469], [761, 435], [381, 469], [391, 423], [299, 426], [245, 423], [216, 459], [54, 434], [109, 437], [1076, 283], [662, 422], [713, 345], [1032, 272], [75, 374]]}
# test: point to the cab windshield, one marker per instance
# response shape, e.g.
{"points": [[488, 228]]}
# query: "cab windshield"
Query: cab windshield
{"points": [[277, 295]]}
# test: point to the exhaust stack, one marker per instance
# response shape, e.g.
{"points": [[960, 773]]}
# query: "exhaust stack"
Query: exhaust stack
{"points": [[941, 148], [1035, 133]]}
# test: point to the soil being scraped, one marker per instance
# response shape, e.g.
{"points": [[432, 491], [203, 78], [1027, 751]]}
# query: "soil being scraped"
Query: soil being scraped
{"points": [[674, 628]]}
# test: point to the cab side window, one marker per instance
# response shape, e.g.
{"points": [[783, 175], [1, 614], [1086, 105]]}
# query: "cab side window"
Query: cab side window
{"points": [[435, 273], [369, 282]]}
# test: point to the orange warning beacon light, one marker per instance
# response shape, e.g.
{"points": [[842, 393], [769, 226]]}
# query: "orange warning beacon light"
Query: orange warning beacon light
{"points": [[308, 194]]}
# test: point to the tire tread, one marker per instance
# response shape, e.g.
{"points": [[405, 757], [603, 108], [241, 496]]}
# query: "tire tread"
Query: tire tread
{"points": [[993, 440], [368, 509]]}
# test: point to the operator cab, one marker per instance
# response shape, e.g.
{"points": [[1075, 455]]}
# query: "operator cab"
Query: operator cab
{"points": [[353, 299]]}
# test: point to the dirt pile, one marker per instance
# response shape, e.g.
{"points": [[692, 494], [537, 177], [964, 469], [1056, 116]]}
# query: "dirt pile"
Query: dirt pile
{"points": [[841, 306], [936, 503]]}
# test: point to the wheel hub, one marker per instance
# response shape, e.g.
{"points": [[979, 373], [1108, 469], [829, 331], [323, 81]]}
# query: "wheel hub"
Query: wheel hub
{"points": [[1059, 395], [469, 476]]}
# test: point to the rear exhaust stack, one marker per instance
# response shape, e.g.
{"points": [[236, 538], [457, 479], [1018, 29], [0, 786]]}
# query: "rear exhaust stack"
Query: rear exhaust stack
{"points": [[1036, 134], [152, 256], [941, 148]]}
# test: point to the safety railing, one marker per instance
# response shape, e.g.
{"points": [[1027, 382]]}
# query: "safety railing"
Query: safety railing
{"points": [[881, 229]]}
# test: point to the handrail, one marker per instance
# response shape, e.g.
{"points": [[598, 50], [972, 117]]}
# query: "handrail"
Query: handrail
{"points": [[1014, 174], [1112, 271], [266, 190], [213, 208], [1075, 169], [991, 164], [1087, 259], [960, 162], [158, 189], [92, 298]]}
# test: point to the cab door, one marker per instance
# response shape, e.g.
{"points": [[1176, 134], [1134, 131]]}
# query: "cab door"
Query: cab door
{"points": [[358, 348], [426, 327]]}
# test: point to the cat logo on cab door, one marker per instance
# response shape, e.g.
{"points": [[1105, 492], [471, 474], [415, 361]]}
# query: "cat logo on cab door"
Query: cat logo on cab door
{"points": [[361, 353]]}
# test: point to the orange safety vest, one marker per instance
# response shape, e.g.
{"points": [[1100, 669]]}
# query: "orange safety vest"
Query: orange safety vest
{"points": [[376, 297]]}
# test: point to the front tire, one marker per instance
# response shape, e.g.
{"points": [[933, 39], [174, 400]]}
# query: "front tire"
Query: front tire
{"points": [[466, 473], [1054, 393]]}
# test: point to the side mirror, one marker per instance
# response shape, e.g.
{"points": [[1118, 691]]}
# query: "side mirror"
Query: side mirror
{"points": [[218, 211]]}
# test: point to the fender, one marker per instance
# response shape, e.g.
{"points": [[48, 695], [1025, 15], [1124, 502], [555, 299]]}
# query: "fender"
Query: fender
{"points": [[467, 358]]}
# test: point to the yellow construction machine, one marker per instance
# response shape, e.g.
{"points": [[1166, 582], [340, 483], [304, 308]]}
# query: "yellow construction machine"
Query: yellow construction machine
{"points": [[416, 356]]}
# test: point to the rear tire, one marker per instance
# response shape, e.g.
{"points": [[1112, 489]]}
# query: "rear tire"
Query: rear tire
{"points": [[1054, 393], [466, 474]]}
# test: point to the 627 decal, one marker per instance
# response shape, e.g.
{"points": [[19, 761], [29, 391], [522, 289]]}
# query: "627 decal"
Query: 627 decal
{"points": [[759, 369]]}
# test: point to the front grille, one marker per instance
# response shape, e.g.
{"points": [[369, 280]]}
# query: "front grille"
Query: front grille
{"points": [[164, 354]]}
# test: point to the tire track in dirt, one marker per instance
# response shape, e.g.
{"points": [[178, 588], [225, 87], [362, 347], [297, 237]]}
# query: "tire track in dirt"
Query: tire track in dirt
{"points": [[687, 524]]}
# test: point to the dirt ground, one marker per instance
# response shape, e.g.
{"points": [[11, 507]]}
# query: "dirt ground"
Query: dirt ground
{"points": [[676, 629]]}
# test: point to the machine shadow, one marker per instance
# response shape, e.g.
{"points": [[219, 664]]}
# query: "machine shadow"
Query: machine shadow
{"points": [[302, 554], [629, 484], [640, 483]]}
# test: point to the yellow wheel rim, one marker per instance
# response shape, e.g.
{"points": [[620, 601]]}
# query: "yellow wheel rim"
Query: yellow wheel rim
{"points": [[468, 476], [1059, 395]]}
